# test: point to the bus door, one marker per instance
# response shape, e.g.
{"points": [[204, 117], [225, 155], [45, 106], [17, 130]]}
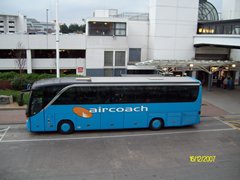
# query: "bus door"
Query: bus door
{"points": [[50, 121], [37, 112]]}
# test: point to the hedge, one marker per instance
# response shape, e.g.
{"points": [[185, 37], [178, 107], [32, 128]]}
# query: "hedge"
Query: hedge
{"points": [[20, 81], [16, 95]]}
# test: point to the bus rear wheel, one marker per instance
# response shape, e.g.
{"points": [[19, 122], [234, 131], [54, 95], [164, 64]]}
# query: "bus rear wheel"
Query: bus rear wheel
{"points": [[156, 124], [65, 127]]}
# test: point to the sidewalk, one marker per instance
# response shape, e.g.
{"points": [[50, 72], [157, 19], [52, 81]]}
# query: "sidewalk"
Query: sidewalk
{"points": [[216, 103], [227, 100]]}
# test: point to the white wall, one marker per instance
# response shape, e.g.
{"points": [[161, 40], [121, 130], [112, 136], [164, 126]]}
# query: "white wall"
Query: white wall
{"points": [[138, 37], [42, 41], [172, 26], [96, 45], [30, 42], [6, 64], [95, 58], [235, 54], [230, 9], [218, 39]]}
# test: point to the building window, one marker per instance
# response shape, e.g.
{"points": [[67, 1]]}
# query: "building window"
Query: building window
{"points": [[45, 54], [108, 58], [106, 29], [120, 29], [108, 72], [12, 54], [100, 28], [120, 58], [134, 54], [72, 53]]}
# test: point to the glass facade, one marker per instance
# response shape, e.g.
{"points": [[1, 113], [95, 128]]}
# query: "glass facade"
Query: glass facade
{"points": [[220, 27], [207, 12]]}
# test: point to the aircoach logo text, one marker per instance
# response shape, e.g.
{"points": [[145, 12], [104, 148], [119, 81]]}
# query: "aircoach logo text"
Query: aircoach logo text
{"points": [[84, 113], [119, 109]]}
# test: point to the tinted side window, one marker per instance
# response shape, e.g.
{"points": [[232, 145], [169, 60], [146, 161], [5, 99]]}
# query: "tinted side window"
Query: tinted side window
{"points": [[182, 93], [128, 94], [67, 97]]}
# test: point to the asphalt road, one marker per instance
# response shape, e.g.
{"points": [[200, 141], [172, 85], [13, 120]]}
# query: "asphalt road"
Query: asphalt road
{"points": [[127, 154]]}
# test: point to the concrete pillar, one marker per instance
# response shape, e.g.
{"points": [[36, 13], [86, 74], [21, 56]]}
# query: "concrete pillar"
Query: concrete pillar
{"points": [[172, 25], [236, 81], [210, 76], [29, 61], [194, 74]]}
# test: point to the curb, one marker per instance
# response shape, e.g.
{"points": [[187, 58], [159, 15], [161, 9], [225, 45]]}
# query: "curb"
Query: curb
{"points": [[13, 108]]}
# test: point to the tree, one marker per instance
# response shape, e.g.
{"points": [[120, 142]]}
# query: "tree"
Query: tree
{"points": [[82, 28], [20, 55], [73, 28], [64, 29]]}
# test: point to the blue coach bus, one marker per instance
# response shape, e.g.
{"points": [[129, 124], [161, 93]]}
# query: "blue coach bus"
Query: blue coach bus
{"points": [[76, 104]]}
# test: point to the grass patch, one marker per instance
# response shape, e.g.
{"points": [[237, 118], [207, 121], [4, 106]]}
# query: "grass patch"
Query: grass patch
{"points": [[16, 95]]}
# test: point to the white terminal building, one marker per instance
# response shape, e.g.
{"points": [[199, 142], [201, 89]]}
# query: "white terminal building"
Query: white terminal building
{"points": [[172, 35]]}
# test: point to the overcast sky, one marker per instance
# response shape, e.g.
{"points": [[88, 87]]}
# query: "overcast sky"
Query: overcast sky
{"points": [[73, 11]]}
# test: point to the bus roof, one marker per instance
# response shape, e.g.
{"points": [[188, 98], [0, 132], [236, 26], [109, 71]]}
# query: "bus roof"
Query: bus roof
{"points": [[114, 80]]}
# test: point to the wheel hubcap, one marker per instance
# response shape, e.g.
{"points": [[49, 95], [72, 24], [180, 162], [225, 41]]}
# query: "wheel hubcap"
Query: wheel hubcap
{"points": [[156, 124], [65, 127]]}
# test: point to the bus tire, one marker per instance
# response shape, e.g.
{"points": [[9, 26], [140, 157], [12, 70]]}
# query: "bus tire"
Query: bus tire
{"points": [[156, 124], [65, 127]]}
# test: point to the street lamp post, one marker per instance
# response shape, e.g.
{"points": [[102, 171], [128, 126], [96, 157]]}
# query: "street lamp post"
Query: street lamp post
{"points": [[47, 26], [57, 42], [210, 76]]}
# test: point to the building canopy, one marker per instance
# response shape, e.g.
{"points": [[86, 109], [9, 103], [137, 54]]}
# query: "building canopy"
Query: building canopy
{"points": [[209, 66]]}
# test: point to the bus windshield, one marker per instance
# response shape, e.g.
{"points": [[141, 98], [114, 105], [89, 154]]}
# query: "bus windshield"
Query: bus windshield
{"points": [[40, 98], [36, 102]]}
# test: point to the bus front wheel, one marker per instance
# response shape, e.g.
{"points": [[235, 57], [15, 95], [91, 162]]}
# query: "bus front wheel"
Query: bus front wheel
{"points": [[156, 124], [65, 127]]}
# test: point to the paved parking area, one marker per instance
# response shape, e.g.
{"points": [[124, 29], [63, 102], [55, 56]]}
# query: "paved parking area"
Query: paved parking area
{"points": [[125, 154]]}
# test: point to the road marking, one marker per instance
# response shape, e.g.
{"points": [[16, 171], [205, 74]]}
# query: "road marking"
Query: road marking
{"points": [[5, 131], [236, 124], [116, 136], [227, 123]]}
